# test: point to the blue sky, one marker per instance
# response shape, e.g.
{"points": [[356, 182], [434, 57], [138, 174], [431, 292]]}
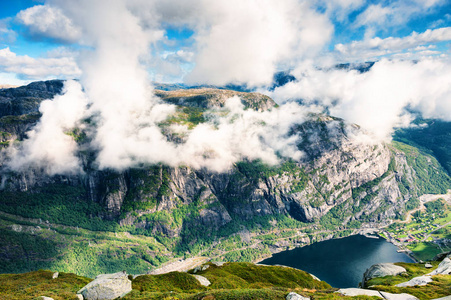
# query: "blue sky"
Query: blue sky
{"points": [[187, 46]]}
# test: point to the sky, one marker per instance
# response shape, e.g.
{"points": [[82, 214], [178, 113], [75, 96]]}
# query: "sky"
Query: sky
{"points": [[116, 49], [229, 41]]}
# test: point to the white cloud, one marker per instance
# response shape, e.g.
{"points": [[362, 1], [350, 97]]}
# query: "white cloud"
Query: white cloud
{"points": [[388, 14], [48, 145], [246, 41], [377, 99], [372, 48], [37, 68], [49, 22]]}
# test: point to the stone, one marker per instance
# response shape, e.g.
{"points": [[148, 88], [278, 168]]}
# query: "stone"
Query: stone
{"points": [[218, 263], [428, 266], [443, 298], [79, 297], [420, 280], [314, 277], [403, 296], [444, 268], [44, 298], [295, 296], [202, 280], [55, 275], [358, 292], [381, 270], [107, 286]]}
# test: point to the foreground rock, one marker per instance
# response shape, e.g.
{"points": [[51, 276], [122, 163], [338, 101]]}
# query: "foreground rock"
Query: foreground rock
{"points": [[420, 280], [294, 296], [381, 270], [444, 268], [384, 295], [107, 286], [202, 280], [358, 292], [390, 296]]}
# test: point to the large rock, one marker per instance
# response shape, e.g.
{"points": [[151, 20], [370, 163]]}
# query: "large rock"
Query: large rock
{"points": [[202, 280], [444, 268], [44, 298], [358, 292], [295, 296], [107, 286], [381, 270], [420, 280], [403, 296]]}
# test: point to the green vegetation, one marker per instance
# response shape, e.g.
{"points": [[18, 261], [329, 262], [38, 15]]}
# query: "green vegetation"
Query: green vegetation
{"points": [[31, 285], [439, 287], [231, 281], [57, 203], [424, 235], [434, 136], [430, 177]]}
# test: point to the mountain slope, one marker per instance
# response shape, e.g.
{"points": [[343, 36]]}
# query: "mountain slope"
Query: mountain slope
{"points": [[153, 213]]}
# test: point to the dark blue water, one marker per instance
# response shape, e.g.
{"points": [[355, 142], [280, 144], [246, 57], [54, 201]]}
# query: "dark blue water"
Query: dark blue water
{"points": [[340, 262]]}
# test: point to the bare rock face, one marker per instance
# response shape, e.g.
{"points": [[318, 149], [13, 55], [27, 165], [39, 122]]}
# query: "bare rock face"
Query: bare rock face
{"points": [[381, 270], [107, 286]]}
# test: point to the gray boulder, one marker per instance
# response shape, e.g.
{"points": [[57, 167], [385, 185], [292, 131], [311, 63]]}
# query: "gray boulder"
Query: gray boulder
{"points": [[428, 266], [106, 287], [420, 280], [444, 268], [44, 298], [55, 275], [294, 296], [79, 297], [358, 292], [403, 296], [218, 263], [381, 270], [443, 298], [202, 280]]}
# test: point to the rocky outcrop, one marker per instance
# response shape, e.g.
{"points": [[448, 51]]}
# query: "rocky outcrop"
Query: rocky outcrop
{"points": [[358, 292], [383, 295], [381, 270], [420, 280], [107, 286], [295, 296], [444, 268], [202, 280], [26, 99]]}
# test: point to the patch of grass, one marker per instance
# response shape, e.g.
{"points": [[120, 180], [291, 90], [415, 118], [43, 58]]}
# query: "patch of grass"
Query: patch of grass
{"points": [[40, 283], [424, 250]]}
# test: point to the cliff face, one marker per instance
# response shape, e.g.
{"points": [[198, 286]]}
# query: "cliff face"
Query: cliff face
{"points": [[339, 181]]}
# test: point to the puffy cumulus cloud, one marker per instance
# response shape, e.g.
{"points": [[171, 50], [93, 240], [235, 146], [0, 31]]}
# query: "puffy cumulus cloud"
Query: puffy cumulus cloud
{"points": [[377, 100], [247, 40], [49, 147], [44, 21], [126, 114], [243, 134], [374, 47], [386, 14], [37, 68]]}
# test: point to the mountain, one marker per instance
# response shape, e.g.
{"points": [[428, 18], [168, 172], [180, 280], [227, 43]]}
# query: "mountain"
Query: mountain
{"points": [[136, 219]]}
